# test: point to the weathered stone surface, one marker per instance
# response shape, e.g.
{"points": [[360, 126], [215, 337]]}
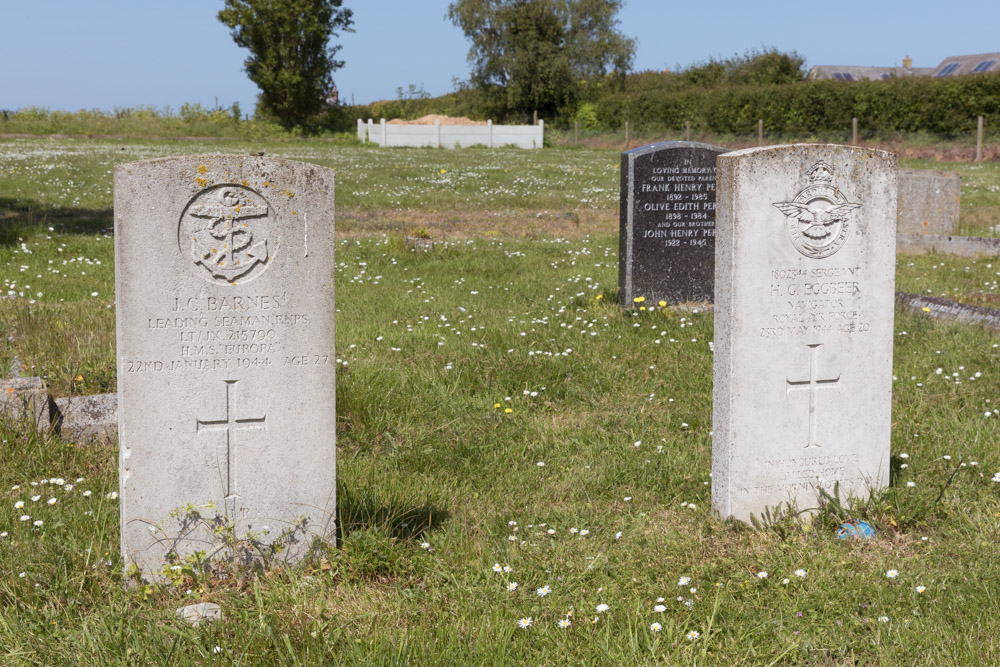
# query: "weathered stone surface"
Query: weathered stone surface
{"points": [[946, 309], [928, 201], [22, 398], [805, 253], [203, 612], [84, 418], [418, 244], [963, 246], [666, 242], [225, 314]]}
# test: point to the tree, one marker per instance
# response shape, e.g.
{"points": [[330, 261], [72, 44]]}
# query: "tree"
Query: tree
{"points": [[290, 60], [754, 67], [540, 52]]}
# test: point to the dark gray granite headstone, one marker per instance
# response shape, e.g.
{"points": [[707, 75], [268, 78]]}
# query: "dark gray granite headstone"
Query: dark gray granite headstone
{"points": [[666, 246]]}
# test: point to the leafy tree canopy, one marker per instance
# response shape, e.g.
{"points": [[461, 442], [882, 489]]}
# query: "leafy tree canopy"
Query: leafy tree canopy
{"points": [[540, 52], [768, 65], [291, 59]]}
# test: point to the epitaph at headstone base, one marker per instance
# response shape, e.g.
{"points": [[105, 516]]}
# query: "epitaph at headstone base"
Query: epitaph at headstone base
{"points": [[805, 265], [225, 314]]}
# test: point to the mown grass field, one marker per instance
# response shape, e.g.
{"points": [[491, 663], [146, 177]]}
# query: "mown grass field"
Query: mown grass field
{"points": [[496, 408]]}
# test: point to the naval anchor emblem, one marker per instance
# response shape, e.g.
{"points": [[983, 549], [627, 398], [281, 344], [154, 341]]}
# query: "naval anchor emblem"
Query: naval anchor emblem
{"points": [[819, 217], [227, 229]]}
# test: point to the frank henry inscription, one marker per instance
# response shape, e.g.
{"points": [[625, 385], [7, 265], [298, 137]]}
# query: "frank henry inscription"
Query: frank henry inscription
{"points": [[803, 325], [667, 222], [224, 270]]}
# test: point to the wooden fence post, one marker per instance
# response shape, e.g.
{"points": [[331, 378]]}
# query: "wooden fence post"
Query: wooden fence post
{"points": [[534, 119], [979, 140], [760, 131], [576, 131], [854, 131], [687, 130]]}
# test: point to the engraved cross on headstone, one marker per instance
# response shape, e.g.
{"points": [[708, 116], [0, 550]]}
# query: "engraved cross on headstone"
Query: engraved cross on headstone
{"points": [[229, 424], [813, 385]]}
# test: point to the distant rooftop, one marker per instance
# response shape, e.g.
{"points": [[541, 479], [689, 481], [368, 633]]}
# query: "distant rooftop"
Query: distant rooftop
{"points": [[975, 64], [851, 73], [951, 66]]}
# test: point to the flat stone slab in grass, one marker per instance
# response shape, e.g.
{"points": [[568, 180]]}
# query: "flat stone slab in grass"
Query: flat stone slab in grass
{"points": [[962, 246], [225, 315], [928, 201], [85, 418], [25, 398], [203, 612], [666, 238], [805, 264], [946, 309]]}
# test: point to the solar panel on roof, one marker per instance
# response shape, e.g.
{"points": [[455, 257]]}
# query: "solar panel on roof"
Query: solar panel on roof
{"points": [[948, 69], [838, 76], [848, 77], [885, 75], [983, 66]]}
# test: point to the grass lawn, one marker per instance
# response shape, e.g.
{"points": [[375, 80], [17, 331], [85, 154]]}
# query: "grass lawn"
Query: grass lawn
{"points": [[497, 411]]}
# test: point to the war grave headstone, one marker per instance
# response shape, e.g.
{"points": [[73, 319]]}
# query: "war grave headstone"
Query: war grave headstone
{"points": [[226, 365], [666, 243], [804, 307]]}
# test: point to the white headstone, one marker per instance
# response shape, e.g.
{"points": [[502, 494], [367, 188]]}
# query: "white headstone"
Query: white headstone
{"points": [[805, 265], [225, 313]]}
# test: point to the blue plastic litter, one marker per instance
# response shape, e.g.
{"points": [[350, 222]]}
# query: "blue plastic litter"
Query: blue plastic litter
{"points": [[858, 529]]}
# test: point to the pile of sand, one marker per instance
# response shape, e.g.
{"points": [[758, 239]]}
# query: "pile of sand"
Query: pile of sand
{"points": [[430, 118]]}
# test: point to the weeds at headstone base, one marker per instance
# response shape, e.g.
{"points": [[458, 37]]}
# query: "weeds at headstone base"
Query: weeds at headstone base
{"points": [[229, 561]]}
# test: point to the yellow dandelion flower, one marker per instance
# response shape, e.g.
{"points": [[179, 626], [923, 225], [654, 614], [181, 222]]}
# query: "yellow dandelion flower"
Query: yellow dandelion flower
{"points": [[508, 410]]}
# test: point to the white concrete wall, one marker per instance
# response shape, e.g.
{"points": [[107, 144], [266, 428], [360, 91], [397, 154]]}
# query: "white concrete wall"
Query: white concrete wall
{"points": [[453, 136]]}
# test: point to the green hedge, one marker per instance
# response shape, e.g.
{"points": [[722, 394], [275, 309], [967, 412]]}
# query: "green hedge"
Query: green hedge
{"points": [[914, 104]]}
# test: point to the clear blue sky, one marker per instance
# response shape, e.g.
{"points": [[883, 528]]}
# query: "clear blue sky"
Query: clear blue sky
{"points": [[82, 54]]}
